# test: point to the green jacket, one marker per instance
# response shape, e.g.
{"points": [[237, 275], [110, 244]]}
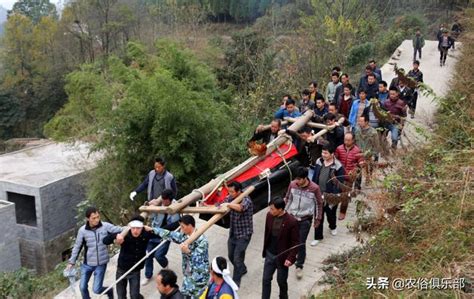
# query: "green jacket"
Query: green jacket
{"points": [[422, 41]]}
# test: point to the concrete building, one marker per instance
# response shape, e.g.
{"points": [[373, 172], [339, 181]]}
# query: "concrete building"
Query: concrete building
{"points": [[45, 183], [9, 247]]}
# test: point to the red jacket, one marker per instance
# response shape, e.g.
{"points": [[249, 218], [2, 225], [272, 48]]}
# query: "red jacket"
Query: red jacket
{"points": [[289, 237], [349, 158]]}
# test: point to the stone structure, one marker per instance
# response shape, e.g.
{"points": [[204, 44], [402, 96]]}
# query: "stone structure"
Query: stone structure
{"points": [[45, 183]]}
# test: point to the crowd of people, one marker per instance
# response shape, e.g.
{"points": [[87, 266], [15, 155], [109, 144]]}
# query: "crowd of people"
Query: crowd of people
{"points": [[361, 117]]}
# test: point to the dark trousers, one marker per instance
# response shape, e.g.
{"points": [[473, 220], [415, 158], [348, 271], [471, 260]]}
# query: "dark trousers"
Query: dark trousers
{"points": [[414, 53], [412, 104], [304, 227], [236, 252], [133, 279], [331, 214], [269, 268], [443, 53], [159, 255]]}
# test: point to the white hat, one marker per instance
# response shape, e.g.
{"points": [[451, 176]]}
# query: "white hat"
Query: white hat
{"points": [[136, 223]]}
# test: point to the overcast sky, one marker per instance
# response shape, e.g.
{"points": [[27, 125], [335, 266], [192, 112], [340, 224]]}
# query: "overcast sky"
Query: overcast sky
{"points": [[9, 3]]}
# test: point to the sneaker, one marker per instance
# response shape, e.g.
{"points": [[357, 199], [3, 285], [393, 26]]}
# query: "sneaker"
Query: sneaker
{"points": [[412, 116], [342, 216], [334, 232], [314, 243], [440, 63], [299, 273], [145, 281]]}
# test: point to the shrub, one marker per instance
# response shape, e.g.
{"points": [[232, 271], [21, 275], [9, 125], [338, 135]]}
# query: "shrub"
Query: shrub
{"points": [[360, 53]]}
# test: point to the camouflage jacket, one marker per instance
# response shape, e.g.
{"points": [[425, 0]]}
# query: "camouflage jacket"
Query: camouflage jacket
{"points": [[195, 264]]}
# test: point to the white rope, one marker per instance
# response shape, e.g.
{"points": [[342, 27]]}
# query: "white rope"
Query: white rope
{"points": [[136, 265]]}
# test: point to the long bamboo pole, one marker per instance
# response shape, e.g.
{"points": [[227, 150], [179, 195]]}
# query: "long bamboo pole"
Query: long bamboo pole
{"points": [[186, 210], [203, 228], [309, 124], [239, 169], [324, 131]]}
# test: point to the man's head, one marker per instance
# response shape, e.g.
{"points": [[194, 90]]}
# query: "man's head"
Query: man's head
{"points": [[166, 197], [348, 89], [329, 119], [275, 125], [218, 265], [320, 103], [286, 97], [372, 64], [327, 152], [313, 86], [160, 164], [349, 139], [301, 176], [418, 31], [363, 121], [416, 64], [305, 133], [277, 206], [332, 109], [306, 94], [344, 78], [187, 224], [382, 86], [136, 225], [92, 216], [335, 77], [371, 79], [166, 281], [368, 70], [445, 32], [393, 93], [290, 105], [362, 94], [234, 188]]}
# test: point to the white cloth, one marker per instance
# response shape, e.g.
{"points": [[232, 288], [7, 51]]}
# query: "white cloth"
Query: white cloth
{"points": [[226, 275]]}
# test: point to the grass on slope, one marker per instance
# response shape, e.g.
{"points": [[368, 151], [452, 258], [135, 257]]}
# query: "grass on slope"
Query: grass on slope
{"points": [[428, 232]]}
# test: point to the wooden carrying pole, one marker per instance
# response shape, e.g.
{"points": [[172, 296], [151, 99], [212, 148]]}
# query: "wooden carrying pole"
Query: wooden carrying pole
{"points": [[238, 170], [203, 228], [322, 132], [309, 124], [186, 210]]}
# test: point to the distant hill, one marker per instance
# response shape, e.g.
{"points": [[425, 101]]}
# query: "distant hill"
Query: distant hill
{"points": [[3, 18], [3, 14]]}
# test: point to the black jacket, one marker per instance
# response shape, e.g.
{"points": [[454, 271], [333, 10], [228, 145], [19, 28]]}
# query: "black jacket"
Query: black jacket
{"points": [[263, 135], [450, 42], [335, 137], [176, 294], [132, 249], [308, 152]]}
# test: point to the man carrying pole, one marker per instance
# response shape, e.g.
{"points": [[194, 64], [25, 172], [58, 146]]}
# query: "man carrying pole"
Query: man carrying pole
{"points": [[195, 256]]}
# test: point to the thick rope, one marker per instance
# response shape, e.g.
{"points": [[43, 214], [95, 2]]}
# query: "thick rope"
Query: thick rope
{"points": [[134, 266]]}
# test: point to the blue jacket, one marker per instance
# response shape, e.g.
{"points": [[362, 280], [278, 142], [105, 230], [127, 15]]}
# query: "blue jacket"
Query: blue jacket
{"points": [[282, 113], [337, 170], [354, 110]]}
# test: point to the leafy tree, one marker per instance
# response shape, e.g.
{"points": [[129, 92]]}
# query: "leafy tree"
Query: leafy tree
{"points": [[34, 9], [137, 108]]}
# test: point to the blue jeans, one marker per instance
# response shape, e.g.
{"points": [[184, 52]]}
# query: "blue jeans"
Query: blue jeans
{"points": [[159, 255], [395, 133], [236, 251], [98, 287]]}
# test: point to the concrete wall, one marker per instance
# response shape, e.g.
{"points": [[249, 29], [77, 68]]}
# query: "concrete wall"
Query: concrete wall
{"points": [[9, 247], [59, 205]]}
